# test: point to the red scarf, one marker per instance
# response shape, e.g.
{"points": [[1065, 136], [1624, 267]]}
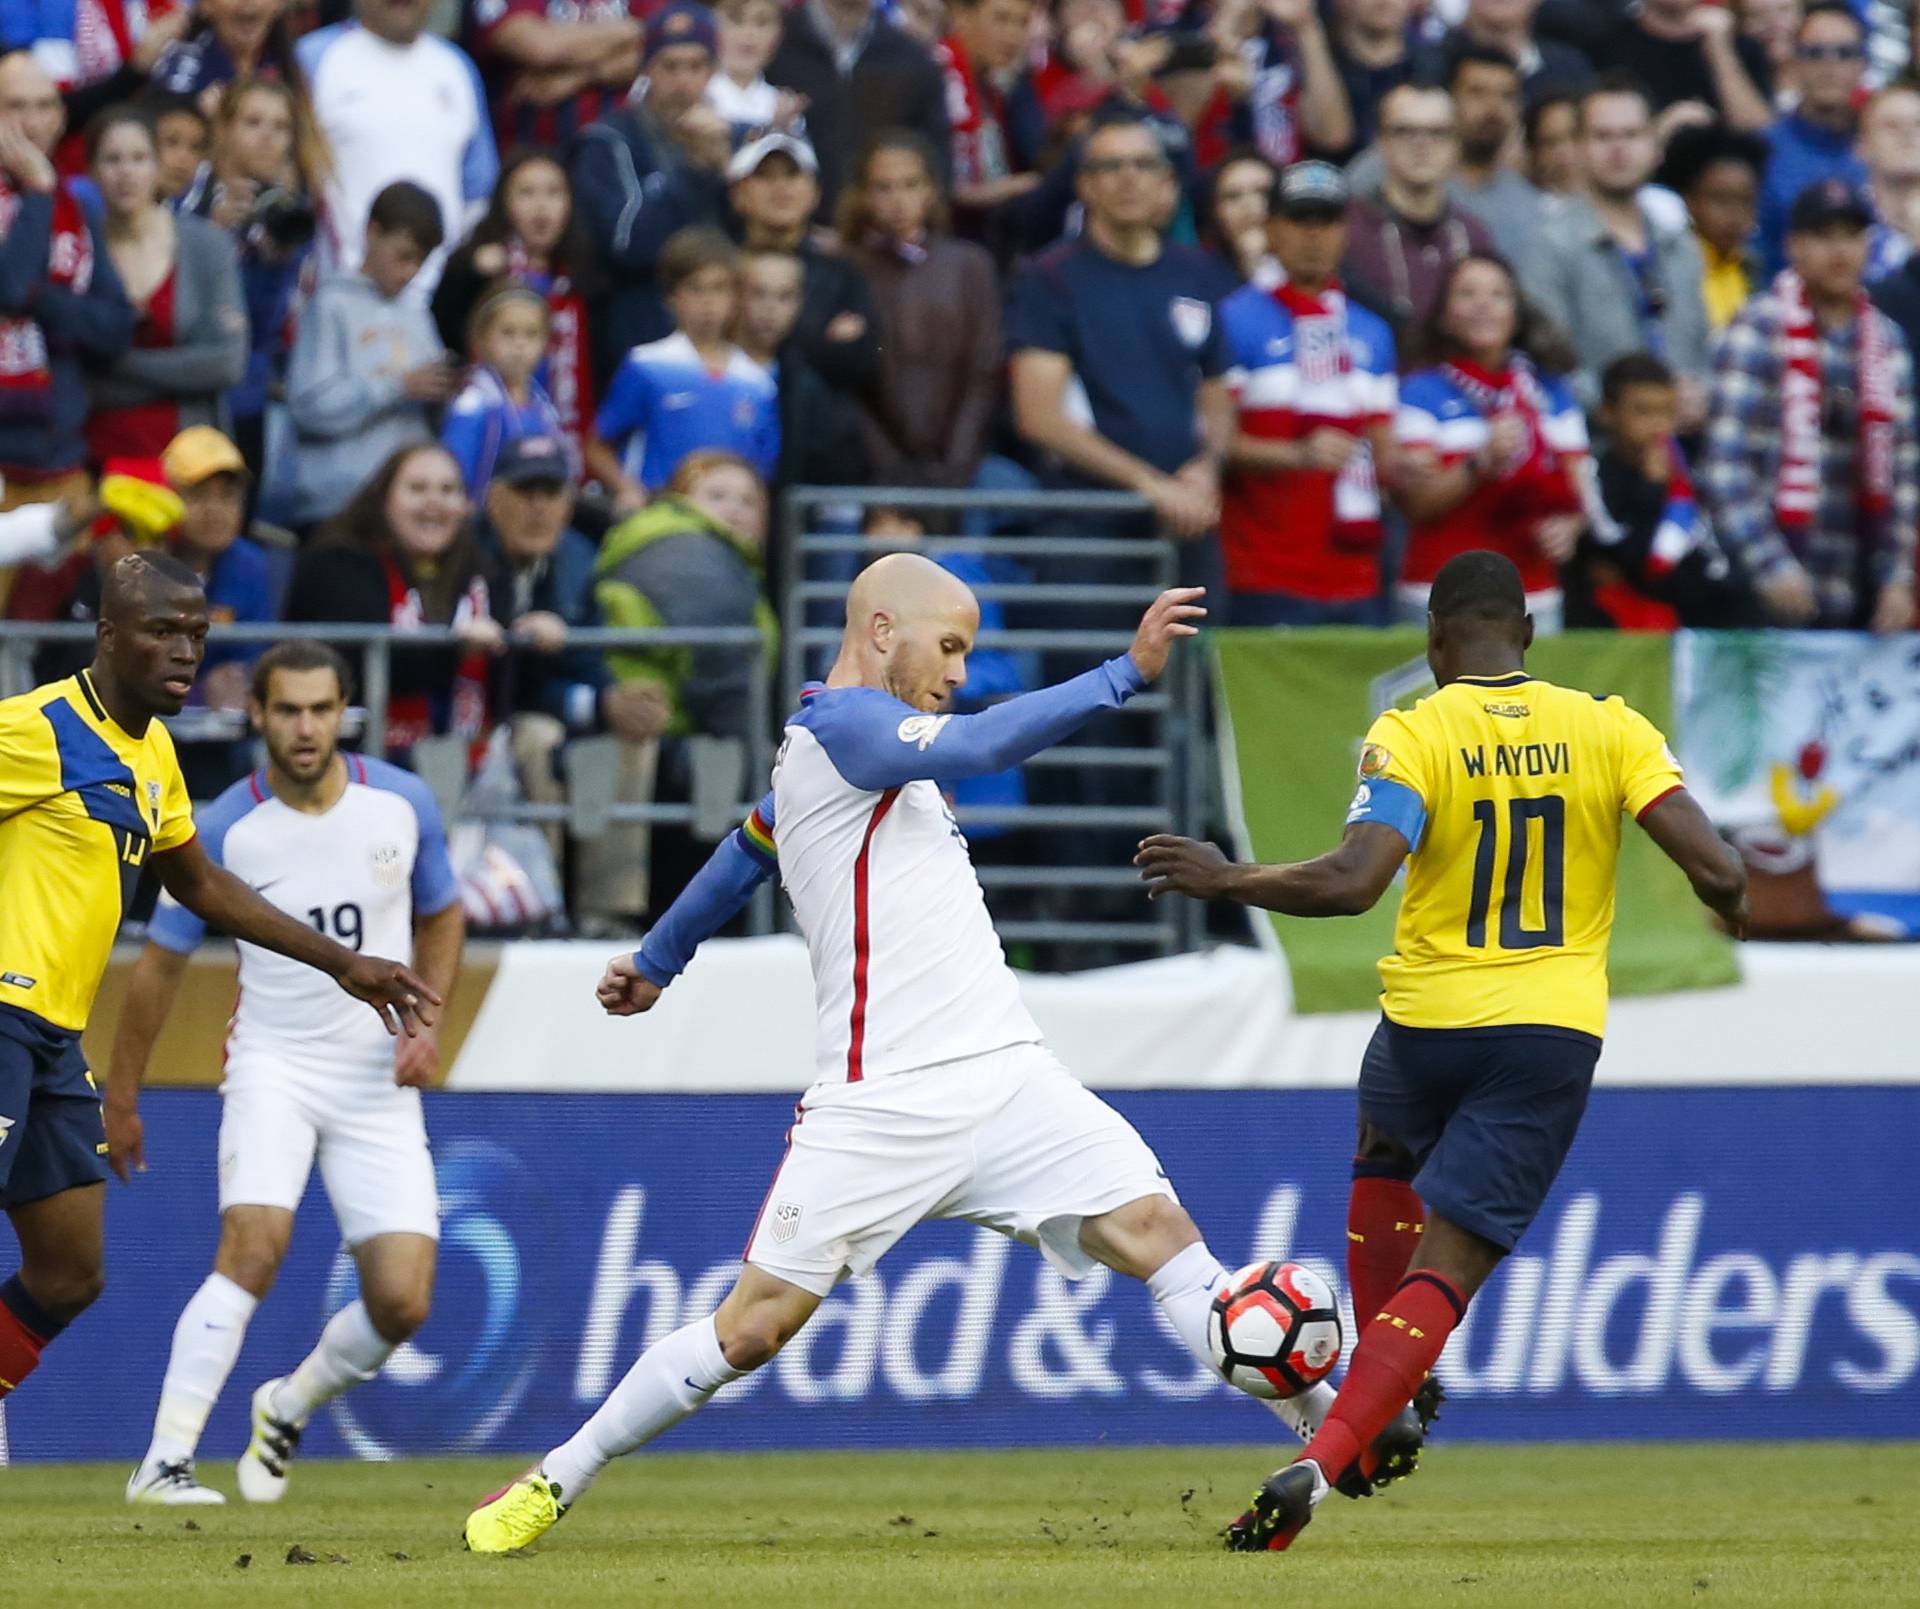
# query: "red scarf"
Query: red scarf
{"points": [[569, 374], [26, 377], [1796, 494], [410, 716], [1322, 352], [975, 109], [1535, 482]]}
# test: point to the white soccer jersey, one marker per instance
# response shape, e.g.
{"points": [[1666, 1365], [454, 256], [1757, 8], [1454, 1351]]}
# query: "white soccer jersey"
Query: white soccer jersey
{"points": [[359, 873]]}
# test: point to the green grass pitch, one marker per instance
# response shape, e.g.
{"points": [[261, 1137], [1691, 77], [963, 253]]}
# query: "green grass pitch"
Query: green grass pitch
{"points": [[1737, 1525]]}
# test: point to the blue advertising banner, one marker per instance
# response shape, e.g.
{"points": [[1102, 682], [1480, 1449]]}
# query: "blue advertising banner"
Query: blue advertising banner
{"points": [[1714, 1262]]}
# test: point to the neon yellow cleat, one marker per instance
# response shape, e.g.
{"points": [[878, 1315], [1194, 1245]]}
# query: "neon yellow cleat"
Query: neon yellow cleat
{"points": [[516, 1516]]}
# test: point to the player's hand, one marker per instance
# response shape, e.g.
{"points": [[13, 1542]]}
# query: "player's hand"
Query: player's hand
{"points": [[416, 1060], [405, 1004], [1170, 865], [624, 990], [1169, 616], [1789, 597], [126, 1138], [1894, 609]]}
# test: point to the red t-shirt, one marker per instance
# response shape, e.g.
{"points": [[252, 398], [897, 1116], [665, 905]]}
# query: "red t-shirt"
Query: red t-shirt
{"points": [[144, 429]]}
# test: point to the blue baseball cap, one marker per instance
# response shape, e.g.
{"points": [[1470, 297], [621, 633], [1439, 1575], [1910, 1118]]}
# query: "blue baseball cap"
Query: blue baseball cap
{"points": [[682, 23]]}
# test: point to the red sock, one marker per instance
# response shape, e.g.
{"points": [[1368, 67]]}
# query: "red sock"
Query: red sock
{"points": [[21, 1342], [1395, 1354], [1384, 1221]]}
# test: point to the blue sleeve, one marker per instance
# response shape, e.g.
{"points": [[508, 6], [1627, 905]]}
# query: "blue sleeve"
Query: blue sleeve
{"points": [[466, 436], [620, 409], [876, 742], [1037, 315], [480, 163], [435, 886], [1392, 804], [718, 892], [174, 927]]}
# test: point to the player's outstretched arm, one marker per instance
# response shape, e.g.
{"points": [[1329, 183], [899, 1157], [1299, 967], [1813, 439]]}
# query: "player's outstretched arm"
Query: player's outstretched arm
{"points": [[221, 900], [438, 939], [1343, 882], [151, 991], [1689, 839], [874, 748]]}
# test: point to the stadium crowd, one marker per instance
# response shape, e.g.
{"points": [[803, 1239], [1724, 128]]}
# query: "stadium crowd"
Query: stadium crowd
{"points": [[523, 321]]}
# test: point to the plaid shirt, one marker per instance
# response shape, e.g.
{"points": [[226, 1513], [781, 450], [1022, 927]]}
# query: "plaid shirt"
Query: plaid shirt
{"points": [[1741, 462]]}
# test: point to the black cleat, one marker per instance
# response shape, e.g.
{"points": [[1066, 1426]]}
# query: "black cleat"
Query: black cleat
{"points": [[1394, 1455], [1281, 1509], [1427, 1400]]}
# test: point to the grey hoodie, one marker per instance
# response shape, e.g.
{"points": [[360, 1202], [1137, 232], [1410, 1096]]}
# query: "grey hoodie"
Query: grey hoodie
{"points": [[345, 396]]}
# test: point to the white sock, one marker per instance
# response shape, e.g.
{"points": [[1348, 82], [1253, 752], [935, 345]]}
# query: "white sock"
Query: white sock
{"points": [[667, 1382], [350, 1350], [1185, 1286], [206, 1344]]}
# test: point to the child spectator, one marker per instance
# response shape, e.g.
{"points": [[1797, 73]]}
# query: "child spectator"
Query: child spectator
{"points": [[738, 90], [694, 389], [502, 401], [181, 135], [820, 443], [1648, 562], [368, 367]]}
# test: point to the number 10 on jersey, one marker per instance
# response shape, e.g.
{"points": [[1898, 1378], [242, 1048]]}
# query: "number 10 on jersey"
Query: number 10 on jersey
{"points": [[1522, 846]]}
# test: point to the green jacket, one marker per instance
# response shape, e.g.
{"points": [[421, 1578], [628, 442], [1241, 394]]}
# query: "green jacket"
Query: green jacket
{"points": [[670, 565]]}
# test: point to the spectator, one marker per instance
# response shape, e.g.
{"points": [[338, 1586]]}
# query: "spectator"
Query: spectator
{"points": [[1890, 147], [1124, 322], [860, 74], [1232, 208], [1816, 139], [1401, 246], [1313, 376], [692, 558], [532, 236], [693, 390], [403, 554], [1614, 274], [1811, 471], [552, 67], [992, 106], [229, 39], [503, 399], [183, 135], [98, 55], [1716, 172], [938, 319], [1553, 147], [1648, 561], [540, 587], [397, 103], [775, 193], [820, 437], [1773, 25], [183, 279], [1486, 91], [738, 90], [368, 367], [648, 170], [61, 302], [1546, 66], [1373, 49], [1688, 54], [261, 186], [1277, 86], [1490, 442]]}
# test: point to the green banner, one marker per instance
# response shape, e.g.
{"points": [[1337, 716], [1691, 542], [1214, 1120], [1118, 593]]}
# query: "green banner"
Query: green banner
{"points": [[1294, 707]]}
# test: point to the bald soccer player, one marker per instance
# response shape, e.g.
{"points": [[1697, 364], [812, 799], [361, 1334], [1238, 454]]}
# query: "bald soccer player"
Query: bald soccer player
{"points": [[90, 795], [934, 1096]]}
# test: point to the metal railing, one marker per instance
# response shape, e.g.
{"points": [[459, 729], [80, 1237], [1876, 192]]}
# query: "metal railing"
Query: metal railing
{"points": [[1157, 737]]}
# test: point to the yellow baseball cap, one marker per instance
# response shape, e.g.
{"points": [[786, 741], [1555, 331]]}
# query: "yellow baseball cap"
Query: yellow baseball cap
{"points": [[198, 453]]}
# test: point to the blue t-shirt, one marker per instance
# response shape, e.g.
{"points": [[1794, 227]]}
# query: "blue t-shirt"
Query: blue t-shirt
{"points": [[484, 419], [1140, 339], [665, 403]]}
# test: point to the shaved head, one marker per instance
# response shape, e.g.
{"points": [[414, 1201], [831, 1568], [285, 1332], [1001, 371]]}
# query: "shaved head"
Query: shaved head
{"points": [[140, 581], [910, 625], [150, 639], [31, 97]]}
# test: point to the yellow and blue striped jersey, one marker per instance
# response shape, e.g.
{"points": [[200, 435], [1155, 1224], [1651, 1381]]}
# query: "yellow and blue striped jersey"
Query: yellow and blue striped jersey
{"points": [[1510, 791], [81, 805]]}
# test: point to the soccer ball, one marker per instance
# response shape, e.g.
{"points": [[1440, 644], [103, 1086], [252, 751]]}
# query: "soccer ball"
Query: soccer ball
{"points": [[1274, 1330]]}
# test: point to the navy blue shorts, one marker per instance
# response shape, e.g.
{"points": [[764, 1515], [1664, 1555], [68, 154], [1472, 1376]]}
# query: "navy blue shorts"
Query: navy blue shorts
{"points": [[51, 1134], [1488, 1114]]}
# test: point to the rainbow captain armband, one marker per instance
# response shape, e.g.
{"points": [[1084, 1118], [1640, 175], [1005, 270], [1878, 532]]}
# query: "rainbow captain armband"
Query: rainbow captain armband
{"points": [[757, 837], [1392, 804]]}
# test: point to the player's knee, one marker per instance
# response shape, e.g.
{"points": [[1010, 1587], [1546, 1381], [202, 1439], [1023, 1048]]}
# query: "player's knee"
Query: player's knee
{"points": [[398, 1314], [1141, 1236], [250, 1260], [753, 1338], [70, 1289], [1377, 1155]]}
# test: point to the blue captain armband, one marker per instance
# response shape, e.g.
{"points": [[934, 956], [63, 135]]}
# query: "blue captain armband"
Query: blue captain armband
{"points": [[1392, 804]]}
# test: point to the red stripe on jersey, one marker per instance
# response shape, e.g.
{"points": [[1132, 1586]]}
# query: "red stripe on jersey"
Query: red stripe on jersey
{"points": [[1678, 787], [359, 765], [857, 1035], [253, 783]]}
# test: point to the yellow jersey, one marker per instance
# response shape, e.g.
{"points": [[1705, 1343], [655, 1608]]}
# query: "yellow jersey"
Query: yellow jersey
{"points": [[81, 806], [1510, 791]]}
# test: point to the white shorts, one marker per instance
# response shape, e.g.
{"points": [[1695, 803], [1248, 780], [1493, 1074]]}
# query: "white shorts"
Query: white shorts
{"points": [[370, 1137], [1011, 1141]]}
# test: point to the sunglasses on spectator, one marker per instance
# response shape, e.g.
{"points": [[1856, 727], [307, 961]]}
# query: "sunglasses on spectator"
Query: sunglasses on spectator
{"points": [[1421, 131], [1830, 52], [1123, 164]]}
